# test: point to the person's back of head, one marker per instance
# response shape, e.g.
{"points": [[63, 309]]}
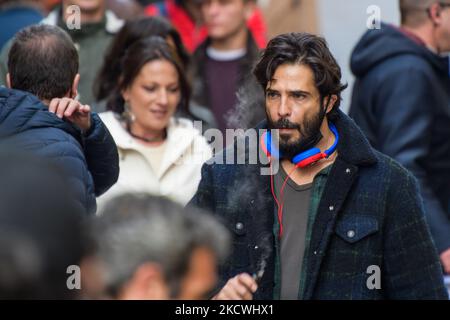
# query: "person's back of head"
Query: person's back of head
{"points": [[147, 244], [40, 227], [43, 61], [429, 20]]}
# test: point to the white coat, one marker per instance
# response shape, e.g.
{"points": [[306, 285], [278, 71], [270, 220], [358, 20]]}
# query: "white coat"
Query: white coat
{"points": [[179, 173]]}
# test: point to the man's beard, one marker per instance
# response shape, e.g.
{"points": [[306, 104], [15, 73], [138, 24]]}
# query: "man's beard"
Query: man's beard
{"points": [[310, 134]]}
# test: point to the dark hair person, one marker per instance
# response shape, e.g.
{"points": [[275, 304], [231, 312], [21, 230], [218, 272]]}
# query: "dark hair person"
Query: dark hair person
{"points": [[131, 32], [324, 174], [29, 60], [156, 148], [39, 112], [299, 48]]}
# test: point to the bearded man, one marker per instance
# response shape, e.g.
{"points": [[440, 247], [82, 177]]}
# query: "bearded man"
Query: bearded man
{"points": [[338, 220]]}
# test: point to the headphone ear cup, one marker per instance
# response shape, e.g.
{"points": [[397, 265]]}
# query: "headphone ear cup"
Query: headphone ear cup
{"points": [[264, 141]]}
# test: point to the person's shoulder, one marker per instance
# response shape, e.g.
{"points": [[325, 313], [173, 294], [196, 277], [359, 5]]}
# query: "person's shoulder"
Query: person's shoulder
{"points": [[392, 169], [112, 122], [107, 117], [410, 63], [221, 164], [51, 142]]}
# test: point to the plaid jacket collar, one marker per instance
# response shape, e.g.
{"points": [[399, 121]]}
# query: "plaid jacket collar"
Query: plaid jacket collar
{"points": [[353, 147]]}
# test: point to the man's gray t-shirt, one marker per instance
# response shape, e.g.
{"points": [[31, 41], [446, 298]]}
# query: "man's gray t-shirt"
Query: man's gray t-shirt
{"points": [[296, 201]]}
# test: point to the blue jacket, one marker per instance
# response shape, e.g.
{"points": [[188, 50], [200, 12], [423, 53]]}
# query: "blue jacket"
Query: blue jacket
{"points": [[366, 192], [401, 101], [27, 125]]}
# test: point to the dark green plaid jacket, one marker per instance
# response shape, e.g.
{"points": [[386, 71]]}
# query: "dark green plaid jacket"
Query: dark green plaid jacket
{"points": [[370, 214]]}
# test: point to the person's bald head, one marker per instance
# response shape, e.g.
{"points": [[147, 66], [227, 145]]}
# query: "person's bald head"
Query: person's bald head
{"points": [[414, 12]]}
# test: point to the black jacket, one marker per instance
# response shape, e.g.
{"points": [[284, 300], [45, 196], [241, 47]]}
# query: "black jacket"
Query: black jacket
{"points": [[366, 192], [401, 100], [90, 161]]}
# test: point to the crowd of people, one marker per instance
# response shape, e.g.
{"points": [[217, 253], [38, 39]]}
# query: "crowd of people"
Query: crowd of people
{"points": [[110, 189]]}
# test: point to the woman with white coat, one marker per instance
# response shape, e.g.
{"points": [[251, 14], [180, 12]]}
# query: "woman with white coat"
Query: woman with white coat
{"points": [[160, 153]]}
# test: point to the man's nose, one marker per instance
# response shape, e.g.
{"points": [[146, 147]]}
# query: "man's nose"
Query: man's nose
{"points": [[284, 109]]}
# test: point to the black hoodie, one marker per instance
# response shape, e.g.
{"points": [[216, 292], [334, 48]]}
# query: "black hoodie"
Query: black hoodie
{"points": [[401, 100]]}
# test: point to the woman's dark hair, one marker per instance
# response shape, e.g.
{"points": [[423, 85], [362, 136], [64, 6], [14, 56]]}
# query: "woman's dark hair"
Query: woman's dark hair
{"points": [[140, 53], [305, 49], [131, 32]]}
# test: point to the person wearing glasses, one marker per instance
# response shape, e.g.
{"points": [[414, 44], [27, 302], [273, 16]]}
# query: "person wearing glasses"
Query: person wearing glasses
{"points": [[401, 100]]}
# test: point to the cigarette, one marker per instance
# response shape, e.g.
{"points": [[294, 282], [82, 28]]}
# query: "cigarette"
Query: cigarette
{"points": [[257, 276]]}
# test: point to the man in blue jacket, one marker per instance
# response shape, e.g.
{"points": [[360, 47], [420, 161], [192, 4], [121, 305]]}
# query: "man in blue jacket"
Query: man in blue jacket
{"points": [[401, 100], [331, 223], [38, 113]]}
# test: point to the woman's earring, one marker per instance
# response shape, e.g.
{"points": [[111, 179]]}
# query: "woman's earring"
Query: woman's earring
{"points": [[127, 114]]}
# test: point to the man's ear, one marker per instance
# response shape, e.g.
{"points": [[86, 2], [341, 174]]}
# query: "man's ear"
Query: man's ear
{"points": [[8, 81], [74, 89], [330, 101], [435, 14]]}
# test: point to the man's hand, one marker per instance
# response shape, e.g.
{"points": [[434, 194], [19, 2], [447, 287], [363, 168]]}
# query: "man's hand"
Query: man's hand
{"points": [[445, 260], [72, 110], [241, 287]]}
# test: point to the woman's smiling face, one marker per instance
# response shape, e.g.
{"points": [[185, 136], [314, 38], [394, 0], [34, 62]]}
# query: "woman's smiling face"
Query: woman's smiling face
{"points": [[154, 95]]}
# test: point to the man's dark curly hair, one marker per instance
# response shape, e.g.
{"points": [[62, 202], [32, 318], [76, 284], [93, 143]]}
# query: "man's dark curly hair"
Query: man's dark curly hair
{"points": [[305, 49]]}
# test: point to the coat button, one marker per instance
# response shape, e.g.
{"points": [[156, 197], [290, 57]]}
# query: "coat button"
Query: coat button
{"points": [[331, 208], [348, 171], [350, 233], [315, 252], [256, 247], [239, 226]]}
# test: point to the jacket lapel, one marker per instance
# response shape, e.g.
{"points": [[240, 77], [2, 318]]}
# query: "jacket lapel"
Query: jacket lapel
{"points": [[339, 183], [355, 152]]}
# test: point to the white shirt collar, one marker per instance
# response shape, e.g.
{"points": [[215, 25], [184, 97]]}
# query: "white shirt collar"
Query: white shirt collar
{"points": [[228, 55]]}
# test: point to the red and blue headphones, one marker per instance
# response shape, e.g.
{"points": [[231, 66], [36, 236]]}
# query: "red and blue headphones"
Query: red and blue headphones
{"points": [[301, 160], [304, 158]]}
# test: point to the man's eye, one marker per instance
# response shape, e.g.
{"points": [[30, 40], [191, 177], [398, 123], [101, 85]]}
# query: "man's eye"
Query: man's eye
{"points": [[298, 95], [272, 94]]}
